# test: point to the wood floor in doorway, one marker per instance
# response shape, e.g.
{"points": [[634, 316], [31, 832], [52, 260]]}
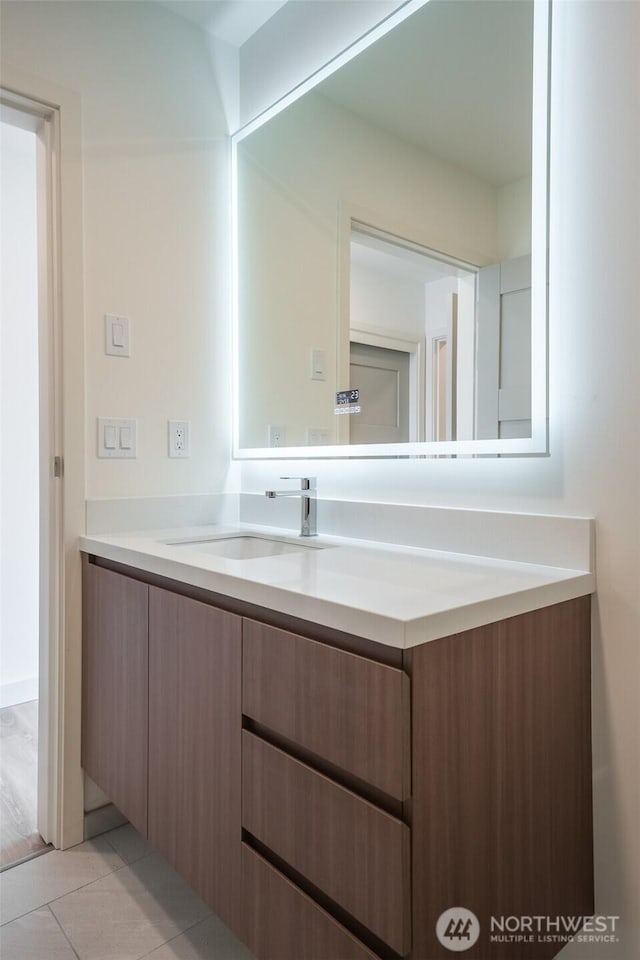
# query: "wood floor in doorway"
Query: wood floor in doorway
{"points": [[19, 837]]}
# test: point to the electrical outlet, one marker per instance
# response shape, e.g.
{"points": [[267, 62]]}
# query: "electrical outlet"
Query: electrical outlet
{"points": [[179, 438], [277, 436]]}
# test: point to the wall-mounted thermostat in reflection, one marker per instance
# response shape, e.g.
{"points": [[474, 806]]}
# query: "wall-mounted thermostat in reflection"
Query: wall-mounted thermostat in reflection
{"points": [[347, 402]]}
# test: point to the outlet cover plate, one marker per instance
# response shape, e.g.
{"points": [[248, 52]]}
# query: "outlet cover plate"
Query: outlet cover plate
{"points": [[179, 439], [277, 436]]}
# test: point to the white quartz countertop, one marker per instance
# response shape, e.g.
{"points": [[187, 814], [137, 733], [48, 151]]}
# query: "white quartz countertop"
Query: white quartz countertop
{"points": [[399, 596]]}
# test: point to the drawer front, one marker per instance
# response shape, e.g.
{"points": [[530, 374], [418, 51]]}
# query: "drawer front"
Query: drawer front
{"points": [[355, 853], [345, 708], [283, 923]]}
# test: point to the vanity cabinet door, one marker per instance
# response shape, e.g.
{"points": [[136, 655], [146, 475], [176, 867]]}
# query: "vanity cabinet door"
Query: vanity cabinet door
{"points": [[114, 688], [194, 745]]}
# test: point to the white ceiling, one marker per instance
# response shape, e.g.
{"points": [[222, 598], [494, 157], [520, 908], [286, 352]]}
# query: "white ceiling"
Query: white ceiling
{"points": [[454, 79], [233, 21], [399, 262]]}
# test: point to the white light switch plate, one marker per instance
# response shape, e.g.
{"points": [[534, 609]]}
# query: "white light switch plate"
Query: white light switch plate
{"points": [[317, 436], [318, 364], [116, 332], [117, 439]]}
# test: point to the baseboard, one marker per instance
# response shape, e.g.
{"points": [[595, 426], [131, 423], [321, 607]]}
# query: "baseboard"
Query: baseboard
{"points": [[22, 691]]}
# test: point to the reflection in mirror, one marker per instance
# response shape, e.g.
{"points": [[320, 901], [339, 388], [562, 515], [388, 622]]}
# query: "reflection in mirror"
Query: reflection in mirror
{"points": [[464, 315], [411, 342], [384, 229]]}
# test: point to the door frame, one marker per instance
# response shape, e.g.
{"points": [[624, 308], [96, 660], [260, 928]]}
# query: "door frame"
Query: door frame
{"points": [[54, 114], [448, 334]]}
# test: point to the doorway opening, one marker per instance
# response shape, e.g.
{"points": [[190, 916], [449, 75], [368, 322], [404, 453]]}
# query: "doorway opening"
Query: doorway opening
{"points": [[416, 307], [25, 272]]}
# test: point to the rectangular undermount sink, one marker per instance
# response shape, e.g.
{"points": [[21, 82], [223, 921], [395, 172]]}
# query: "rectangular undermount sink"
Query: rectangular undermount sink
{"points": [[245, 547]]}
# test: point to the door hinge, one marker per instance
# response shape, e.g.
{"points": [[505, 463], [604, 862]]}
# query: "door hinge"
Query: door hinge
{"points": [[58, 467]]}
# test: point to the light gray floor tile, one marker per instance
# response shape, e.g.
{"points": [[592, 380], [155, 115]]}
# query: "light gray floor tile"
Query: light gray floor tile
{"points": [[128, 844], [35, 936], [19, 835], [32, 884], [128, 914], [209, 940]]}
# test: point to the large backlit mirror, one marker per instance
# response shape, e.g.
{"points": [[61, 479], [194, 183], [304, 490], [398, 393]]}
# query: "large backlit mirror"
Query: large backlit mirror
{"points": [[391, 245]]}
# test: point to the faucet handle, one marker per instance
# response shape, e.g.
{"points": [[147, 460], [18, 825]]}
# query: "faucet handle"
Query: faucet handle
{"points": [[307, 483]]}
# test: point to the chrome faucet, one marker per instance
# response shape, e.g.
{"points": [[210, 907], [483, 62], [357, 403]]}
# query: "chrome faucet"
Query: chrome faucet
{"points": [[308, 503]]}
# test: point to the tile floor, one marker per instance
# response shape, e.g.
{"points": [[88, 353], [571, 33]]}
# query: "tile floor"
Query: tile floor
{"points": [[18, 782], [111, 898]]}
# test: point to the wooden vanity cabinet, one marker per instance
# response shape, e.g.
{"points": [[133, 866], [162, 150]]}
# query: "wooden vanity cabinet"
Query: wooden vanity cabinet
{"points": [[115, 677], [329, 798], [195, 656], [162, 725], [501, 813]]}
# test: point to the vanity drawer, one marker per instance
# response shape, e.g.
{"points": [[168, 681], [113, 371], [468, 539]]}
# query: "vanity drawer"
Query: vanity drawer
{"points": [[283, 923], [345, 708], [354, 852]]}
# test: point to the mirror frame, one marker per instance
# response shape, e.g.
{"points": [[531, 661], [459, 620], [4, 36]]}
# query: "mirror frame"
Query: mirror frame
{"points": [[538, 443]]}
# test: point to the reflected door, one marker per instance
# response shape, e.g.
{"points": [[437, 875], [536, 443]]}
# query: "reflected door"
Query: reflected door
{"points": [[382, 377], [503, 350]]}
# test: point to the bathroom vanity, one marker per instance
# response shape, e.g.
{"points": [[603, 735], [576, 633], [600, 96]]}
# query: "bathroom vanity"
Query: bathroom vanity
{"points": [[336, 744], [330, 791]]}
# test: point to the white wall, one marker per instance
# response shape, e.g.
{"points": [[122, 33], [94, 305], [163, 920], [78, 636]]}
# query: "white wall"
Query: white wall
{"points": [[155, 222], [386, 300], [19, 461], [514, 219], [594, 464]]}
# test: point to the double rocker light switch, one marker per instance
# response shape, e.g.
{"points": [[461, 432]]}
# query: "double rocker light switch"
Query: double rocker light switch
{"points": [[117, 439]]}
